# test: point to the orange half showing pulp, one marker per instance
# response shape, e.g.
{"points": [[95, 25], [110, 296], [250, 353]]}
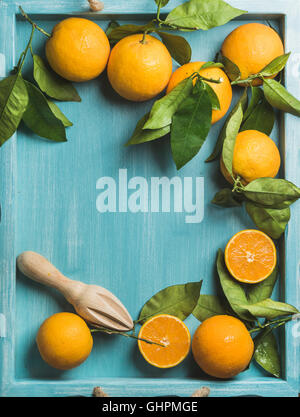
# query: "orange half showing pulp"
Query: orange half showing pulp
{"points": [[250, 256], [172, 334]]}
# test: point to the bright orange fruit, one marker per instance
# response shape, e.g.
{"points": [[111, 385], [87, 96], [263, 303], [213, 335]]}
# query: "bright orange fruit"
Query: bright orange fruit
{"points": [[222, 346], [139, 68], [78, 49], [252, 47], [250, 256], [170, 332], [64, 340], [223, 89], [255, 156]]}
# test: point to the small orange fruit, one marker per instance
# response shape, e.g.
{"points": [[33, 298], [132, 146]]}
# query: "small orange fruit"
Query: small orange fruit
{"points": [[64, 340], [252, 47], [255, 156], [223, 90], [222, 346], [139, 69], [250, 256], [169, 331], [78, 49]]}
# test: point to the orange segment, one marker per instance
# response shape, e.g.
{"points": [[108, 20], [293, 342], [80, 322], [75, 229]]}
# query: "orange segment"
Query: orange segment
{"points": [[169, 331], [250, 256]]}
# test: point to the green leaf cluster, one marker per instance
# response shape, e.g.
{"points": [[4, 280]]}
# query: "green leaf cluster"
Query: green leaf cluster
{"points": [[273, 94], [267, 200], [185, 113], [23, 100], [249, 303]]}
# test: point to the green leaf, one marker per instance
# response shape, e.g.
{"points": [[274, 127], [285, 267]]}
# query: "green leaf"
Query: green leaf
{"points": [[233, 290], [275, 66], [219, 144], [163, 109], [227, 198], [208, 306], [231, 130], [262, 290], [113, 24], [215, 104], [231, 69], [40, 118], [260, 114], [270, 309], [271, 221], [211, 64], [177, 300], [266, 352], [280, 98], [178, 47], [272, 192], [58, 113], [51, 83], [190, 126], [13, 103], [141, 135], [256, 96], [120, 32], [202, 14]]}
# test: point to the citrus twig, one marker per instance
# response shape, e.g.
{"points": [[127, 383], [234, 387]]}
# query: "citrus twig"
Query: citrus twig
{"points": [[144, 37], [278, 323], [210, 80], [246, 80], [125, 335], [201, 78], [24, 53], [25, 15]]}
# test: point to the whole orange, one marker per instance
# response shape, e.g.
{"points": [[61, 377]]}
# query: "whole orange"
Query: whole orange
{"points": [[255, 156], [64, 340], [251, 47], [78, 49], [223, 89], [222, 346], [139, 68]]}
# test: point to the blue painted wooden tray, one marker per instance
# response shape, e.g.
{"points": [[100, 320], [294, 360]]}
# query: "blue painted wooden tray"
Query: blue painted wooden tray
{"points": [[49, 204]]}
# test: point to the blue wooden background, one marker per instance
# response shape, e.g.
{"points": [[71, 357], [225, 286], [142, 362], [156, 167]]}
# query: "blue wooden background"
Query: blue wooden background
{"points": [[48, 196]]}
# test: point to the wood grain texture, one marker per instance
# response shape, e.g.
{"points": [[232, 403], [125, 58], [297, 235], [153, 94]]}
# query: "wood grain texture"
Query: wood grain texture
{"points": [[48, 195]]}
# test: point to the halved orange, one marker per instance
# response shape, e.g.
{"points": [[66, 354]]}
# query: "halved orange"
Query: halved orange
{"points": [[170, 332], [250, 256]]}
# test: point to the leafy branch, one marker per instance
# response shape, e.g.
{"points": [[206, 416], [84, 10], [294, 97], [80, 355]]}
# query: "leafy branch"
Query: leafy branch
{"points": [[267, 200], [23, 100], [185, 113]]}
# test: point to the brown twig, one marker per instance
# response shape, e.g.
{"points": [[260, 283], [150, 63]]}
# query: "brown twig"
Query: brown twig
{"points": [[25, 15], [132, 336]]}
